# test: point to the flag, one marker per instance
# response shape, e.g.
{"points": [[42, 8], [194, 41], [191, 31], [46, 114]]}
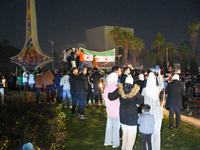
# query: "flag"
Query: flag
{"points": [[105, 56]]}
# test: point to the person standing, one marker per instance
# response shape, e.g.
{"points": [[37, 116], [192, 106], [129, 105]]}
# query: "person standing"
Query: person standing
{"points": [[96, 79], [94, 62], [47, 80], [25, 80], [73, 57], [58, 88], [31, 81], [82, 88], [126, 72], [174, 92], [38, 85], [81, 58], [129, 99], [112, 109], [74, 93], [146, 128], [151, 97], [2, 90], [66, 89]]}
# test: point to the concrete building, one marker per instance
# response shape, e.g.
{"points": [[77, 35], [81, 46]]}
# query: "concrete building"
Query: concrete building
{"points": [[97, 39]]}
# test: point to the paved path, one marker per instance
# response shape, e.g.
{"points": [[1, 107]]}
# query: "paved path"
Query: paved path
{"points": [[188, 119]]}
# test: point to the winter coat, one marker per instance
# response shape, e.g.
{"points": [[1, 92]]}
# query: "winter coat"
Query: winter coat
{"points": [[112, 107], [81, 84], [38, 81], [123, 77], [57, 79], [96, 78], [72, 82], [47, 78], [175, 90], [129, 97]]}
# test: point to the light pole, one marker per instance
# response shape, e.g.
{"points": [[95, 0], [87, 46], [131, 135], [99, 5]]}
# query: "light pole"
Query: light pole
{"points": [[167, 57], [51, 41]]}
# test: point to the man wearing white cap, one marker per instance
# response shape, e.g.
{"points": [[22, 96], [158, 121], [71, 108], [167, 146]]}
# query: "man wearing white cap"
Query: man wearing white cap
{"points": [[174, 92]]}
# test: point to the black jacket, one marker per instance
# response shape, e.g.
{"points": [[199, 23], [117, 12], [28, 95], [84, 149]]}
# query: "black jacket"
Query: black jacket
{"points": [[72, 82], [123, 78], [175, 91], [81, 84], [96, 78], [129, 97]]}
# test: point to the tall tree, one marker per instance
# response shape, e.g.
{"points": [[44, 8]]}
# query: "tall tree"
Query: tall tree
{"points": [[158, 43], [126, 38], [136, 46], [194, 69], [193, 30], [116, 33], [183, 52]]}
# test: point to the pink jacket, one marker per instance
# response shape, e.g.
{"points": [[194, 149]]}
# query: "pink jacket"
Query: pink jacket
{"points": [[112, 107]]}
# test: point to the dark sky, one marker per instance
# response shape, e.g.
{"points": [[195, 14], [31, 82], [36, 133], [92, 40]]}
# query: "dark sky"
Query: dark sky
{"points": [[65, 21]]}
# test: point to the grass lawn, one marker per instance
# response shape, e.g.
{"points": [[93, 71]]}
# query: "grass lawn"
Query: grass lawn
{"points": [[89, 134]]}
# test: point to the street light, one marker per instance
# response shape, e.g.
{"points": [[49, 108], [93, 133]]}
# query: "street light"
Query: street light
{"points": [[51, 41], [167, 57]]}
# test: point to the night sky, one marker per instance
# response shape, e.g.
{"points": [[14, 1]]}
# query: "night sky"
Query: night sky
{"points": [[66, 21]]}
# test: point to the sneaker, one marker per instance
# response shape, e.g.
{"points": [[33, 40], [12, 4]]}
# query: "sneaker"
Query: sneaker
{"points": [[115, 146], [107, 144], [83, 117], [74, 115]]}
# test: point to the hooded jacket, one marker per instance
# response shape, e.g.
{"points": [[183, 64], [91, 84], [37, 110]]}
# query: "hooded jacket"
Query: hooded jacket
{"points": [[129, 96]]}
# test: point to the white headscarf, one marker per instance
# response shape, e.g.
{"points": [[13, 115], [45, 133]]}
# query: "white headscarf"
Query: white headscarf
{"points": [[129, 79], [151, 88], [112, 78]]}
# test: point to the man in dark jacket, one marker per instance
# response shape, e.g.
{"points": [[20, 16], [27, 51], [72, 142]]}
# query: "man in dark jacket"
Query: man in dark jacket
{"points": [[72, 82], [174, 92], [126, 72], [82, 88], [96, 79]]}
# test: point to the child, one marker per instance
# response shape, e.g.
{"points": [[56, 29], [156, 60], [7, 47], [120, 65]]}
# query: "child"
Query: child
{"points": [[146, 128]]}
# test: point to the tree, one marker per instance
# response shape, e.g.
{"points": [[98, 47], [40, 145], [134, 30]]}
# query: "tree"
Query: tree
{"points": [[126, 38], [158, 61], [136, 47], [184, 52], [194, 69], [158, 43], [193, 30], [184, 64], [116, 33]]}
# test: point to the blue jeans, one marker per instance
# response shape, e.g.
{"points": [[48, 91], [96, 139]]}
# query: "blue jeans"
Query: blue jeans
{"points": [[81, 63], [82, 100], [171, 117], [67, 92], [37, 90], [25, 86]]}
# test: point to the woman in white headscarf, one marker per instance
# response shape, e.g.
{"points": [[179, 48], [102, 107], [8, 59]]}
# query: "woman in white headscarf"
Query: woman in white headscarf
{"points": [[151, 97]]}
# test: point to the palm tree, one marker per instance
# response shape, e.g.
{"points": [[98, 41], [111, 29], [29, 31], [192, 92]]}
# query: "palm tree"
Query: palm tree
{"points": [[193, 30], [158, 42], [136, 47], [126, 38], [116, 33]]}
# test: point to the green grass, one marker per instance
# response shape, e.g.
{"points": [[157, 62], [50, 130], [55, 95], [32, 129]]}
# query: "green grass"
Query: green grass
{"points": [[89, 134]]}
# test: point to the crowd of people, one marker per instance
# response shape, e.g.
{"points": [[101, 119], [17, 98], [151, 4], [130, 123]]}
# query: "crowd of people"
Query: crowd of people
{"points": [[131, 97]]}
